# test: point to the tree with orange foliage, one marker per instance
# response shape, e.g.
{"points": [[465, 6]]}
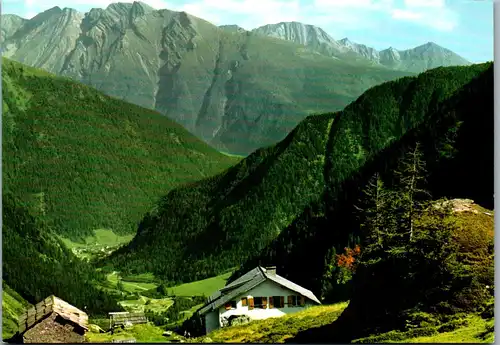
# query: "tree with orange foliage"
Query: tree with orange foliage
{"points": [[348, 259], [346, 264]]}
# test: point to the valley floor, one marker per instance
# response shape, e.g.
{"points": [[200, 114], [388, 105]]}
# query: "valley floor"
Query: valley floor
{"points": [[284, 329]]}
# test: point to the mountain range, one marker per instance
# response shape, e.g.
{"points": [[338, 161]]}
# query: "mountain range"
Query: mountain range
{"points": [[237, 90], [418, 59]]}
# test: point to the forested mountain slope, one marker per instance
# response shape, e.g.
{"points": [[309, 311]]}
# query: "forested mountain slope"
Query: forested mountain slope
{"points": [[296, 196], [86, 161], [455, 132], [236, 90], [36, 264]]}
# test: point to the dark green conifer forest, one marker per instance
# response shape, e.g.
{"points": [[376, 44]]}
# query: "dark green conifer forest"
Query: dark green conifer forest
{"points": [[297, 196]]}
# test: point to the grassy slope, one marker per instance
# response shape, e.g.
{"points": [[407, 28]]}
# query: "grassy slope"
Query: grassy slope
{"points": [[236, 214], [88, 161], [278, 330], [478, 330], [201, 287], [12, 306], [130, 286], [283, 329], [101, 244], [475, 330], [145, 333]]}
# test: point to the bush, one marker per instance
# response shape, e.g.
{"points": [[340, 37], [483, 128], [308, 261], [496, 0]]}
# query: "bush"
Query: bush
{"points": [[452, 325]]}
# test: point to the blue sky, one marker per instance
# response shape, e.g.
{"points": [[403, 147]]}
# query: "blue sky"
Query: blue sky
{"points": [[464, 26]]}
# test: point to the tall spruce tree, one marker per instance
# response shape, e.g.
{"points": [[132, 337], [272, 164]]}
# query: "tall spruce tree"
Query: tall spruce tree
{"points": [[375, 219], [410, 177]]}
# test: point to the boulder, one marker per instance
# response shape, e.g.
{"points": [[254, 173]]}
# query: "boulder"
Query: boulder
{"points": [[235, 320], [96, 329]]}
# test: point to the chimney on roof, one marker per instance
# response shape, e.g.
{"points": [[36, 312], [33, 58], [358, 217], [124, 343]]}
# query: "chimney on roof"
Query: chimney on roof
{"points": [[271, 270]]}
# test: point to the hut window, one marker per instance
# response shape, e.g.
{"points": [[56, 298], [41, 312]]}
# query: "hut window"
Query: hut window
{"points": [[250, 303], [260, 302], [292, 301], [302, 301], [244, 302], [279, 301], [264, 302], [231, 305]]}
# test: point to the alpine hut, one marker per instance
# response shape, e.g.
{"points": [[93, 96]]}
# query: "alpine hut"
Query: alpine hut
{"points": [[53, 321]]}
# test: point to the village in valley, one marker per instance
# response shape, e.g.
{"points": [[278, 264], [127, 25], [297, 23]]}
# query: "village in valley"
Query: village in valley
{"points": [[257, 295]]}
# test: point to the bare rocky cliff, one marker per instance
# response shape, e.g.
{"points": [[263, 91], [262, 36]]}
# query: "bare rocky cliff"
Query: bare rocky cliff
{"points": [[419, 59]]}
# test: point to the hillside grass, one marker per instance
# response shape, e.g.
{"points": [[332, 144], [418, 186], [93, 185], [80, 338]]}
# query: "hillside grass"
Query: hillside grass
{"points": [[128, 286], [13, 305], [143, 333], [86, 161], [144, 304], [473, 329], [102, 243], [279, 329], [478, 330], [201, 287], [468, 329]]}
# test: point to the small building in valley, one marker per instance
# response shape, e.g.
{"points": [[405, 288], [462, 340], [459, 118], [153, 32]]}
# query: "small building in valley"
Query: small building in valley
{"points": [[125, 318], [52, 321], [258, 294]]}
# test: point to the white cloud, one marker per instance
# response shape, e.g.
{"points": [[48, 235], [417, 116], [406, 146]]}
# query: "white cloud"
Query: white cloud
{"points": [[425, 3], [343, 3], [251, 12], [344, 15], [406, 15], [430, 13]]}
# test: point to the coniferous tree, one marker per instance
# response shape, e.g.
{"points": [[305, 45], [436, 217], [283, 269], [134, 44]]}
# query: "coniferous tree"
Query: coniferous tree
{"points": [[374, 215], [410, 246], [410, 176]]}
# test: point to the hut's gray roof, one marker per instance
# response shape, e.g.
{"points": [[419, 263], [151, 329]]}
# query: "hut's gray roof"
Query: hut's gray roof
{"points": [[247, 282]]}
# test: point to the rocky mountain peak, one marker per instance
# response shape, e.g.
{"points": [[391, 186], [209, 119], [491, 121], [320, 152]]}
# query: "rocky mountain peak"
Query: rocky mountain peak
{"points": [[389, 56], [305, 34], [43, 16], [232, 28]]}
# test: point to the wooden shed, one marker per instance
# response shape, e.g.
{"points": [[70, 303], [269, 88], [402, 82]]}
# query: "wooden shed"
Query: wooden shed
{"points": [[53, 321], [124, 317]]}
